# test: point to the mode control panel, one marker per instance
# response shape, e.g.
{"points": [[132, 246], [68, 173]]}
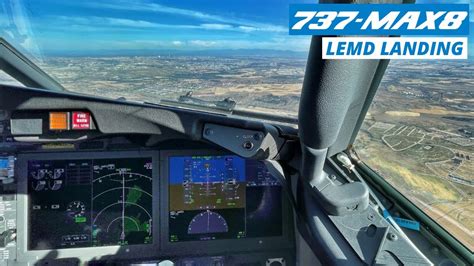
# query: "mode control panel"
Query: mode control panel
{"points": [[247, 143]]}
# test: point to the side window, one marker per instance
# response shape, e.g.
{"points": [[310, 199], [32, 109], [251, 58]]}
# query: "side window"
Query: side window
{"points": [[419, 135], [6, 79]]}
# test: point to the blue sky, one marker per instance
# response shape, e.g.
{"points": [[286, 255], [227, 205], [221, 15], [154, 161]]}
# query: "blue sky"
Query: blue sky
{"points": [[67, 26], [59, 25]]}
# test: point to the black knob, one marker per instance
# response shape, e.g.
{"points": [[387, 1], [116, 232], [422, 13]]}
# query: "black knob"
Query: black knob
{"points": [[248, 145]]}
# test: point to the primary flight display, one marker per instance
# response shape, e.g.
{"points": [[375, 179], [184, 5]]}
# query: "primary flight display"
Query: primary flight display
{"points": [[222, 197]]}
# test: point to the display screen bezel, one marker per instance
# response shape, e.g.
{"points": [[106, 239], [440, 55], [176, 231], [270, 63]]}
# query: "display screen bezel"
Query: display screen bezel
{"points": [[161, 247], [85, 253], [200, 246]]}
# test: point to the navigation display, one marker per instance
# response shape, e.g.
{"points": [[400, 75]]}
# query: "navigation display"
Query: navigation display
{"points": [[222, 197], [89, 203]]}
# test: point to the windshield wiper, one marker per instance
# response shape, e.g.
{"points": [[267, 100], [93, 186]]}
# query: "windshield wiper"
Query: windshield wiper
{"points": [[226, 106], [188, 100]]}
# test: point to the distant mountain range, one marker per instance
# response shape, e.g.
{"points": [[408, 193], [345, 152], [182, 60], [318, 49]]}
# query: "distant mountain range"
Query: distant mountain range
{"points": [[220, 52], [207, 52]]}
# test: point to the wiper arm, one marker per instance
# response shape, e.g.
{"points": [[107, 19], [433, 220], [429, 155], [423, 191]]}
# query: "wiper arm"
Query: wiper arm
{"points": [[188, 100], [225, 106]]}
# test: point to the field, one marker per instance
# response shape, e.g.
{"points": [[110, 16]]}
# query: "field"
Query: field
{"points": [[266, 83], [419, 135]]}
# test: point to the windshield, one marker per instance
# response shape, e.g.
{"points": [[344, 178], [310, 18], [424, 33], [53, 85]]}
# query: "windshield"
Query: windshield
{"points": [[151, 51]]}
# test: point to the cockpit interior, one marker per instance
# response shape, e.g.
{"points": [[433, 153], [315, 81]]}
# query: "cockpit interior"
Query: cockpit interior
{"points": [[90, 180]]}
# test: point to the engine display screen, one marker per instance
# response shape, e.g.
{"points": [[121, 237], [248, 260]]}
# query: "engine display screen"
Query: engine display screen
{"points": [[222, 197], [89, 203]]}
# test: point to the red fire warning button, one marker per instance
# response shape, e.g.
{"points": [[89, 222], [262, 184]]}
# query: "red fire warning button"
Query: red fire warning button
{"points": [[81, 120]]}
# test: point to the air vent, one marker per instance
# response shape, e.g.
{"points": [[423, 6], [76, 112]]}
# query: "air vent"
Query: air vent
{"points": [[122, 146], [91, 145]]}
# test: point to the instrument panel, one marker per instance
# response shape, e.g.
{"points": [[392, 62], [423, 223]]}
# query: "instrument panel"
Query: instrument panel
{"points": [[77, 186], [148, 204]]}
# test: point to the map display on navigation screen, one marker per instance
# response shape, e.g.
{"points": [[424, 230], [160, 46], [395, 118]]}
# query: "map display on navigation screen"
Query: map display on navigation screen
{"points": [[86, 203]]}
